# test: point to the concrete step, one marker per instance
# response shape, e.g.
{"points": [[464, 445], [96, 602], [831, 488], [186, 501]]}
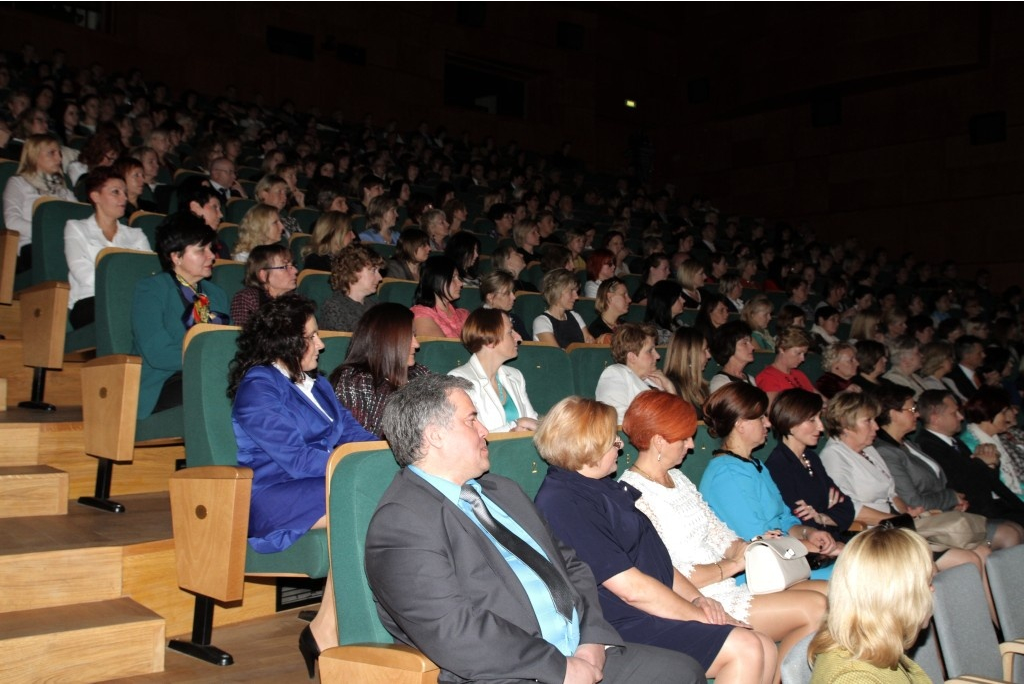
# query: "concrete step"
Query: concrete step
{"points": [[82, 643], [32, 491]]}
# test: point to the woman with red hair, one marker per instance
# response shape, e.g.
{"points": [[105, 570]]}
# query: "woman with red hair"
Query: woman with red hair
{"points": [[703, 548], [600, 267]]}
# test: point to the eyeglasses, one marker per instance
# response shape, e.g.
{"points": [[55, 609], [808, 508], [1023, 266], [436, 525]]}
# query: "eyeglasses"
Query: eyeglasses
{"points": [[911, 409], [289, 265]]}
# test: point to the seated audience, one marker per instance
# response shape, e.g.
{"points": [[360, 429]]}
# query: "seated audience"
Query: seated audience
{"points": [[657, 267], [497, 291], [733, 348], [331, 233], [905, 355], [871, 624], [757, 314], [840, 363], [701, 546], [990, 414], [797, 470], [434, 310], [782, 374], [434, 223], [166, 305], [612, 304], [499, 391], [269, 273], [641, 594], [508, 259], [635, 368], [872, 360], [664, 304], [559, 325], [287, 422], [261, 225], [354, 279], [486, 626], [826, 325], [687, 356], [411, 252], [84, 238], [381, 358], [464, 250], [736, 485], [381, 217], [600, 267], [273, 190], [713, 313], [692, 277]]}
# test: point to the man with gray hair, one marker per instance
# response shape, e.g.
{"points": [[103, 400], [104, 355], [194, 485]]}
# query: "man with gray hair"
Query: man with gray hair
{"points": [[464, 568]]}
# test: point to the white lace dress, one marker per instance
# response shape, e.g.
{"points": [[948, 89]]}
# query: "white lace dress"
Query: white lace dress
{"points": [[692, 533]]}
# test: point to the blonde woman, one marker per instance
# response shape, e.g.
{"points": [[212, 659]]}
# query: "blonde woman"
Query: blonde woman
{"points": [[688, 353], [331, 232], [273, 190], [691, 276], [261, 225], [39, 175], [870, 624], [758, 313]]}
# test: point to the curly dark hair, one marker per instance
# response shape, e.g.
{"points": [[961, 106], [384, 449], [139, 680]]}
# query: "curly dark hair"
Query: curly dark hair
{"points": [[274, 333]]}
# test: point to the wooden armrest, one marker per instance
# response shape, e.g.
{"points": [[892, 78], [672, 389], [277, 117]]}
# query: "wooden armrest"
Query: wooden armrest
{"points": [[857, 527], [8, 262], [210, 517], [1009, 650], [110, 402], [972, 679], [376, 663], [44, 322]]}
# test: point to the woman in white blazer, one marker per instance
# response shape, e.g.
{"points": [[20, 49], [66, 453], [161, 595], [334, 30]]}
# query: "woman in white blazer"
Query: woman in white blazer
{"points": [[499, 392]]}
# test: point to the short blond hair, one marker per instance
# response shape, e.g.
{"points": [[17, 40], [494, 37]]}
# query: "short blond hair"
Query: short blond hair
{"points": [[687, 272], [555, 283], [576, 433], [793, 336], [844, 409], [875, 621]]}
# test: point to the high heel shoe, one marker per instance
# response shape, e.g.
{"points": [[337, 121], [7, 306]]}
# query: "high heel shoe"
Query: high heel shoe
{"points": [[309, 649]]}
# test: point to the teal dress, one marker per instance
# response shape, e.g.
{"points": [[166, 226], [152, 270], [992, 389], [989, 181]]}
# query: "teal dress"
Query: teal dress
{"points": [[743, 494]]}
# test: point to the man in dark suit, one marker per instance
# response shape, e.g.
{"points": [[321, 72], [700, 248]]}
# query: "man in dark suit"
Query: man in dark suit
{"points": [[224, 180], [445, 585], [971, 474], [970, 354]]}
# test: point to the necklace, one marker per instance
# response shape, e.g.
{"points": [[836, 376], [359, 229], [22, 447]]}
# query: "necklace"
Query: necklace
{"points": [[807, 464], [653, 480]]}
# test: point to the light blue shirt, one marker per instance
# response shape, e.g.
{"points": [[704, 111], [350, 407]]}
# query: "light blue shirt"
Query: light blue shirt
{"points": [[564, 635]]}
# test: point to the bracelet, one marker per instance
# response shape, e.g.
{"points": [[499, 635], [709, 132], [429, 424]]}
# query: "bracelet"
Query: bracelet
{"points": [[721, 573]]}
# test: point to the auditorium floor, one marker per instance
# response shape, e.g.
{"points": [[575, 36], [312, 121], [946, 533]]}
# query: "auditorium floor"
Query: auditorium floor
{"points": [[265, 651]]}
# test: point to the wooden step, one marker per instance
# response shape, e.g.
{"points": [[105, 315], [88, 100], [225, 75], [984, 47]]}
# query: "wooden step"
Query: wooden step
{"points": [[38, 580], [63, 387], [82, 643], [33, 491]]}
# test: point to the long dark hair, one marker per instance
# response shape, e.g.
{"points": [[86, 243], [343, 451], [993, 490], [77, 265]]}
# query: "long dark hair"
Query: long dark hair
{"points": [[436, 276], [380, 345], [660, 299], [274, 333]]}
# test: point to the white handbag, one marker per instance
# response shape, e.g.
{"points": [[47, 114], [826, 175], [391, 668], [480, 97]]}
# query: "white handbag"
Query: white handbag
{"points": [[775, 564]]}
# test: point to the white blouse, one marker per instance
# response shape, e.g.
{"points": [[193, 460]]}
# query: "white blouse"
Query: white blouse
{"points": [[692, 533]]}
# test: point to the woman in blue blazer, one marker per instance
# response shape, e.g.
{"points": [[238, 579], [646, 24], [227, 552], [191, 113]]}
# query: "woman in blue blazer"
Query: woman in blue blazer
{"points": [[287, 421]]}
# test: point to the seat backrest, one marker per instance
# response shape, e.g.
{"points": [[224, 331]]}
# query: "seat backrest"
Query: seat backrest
{"points": [[117, 272], [529, 306], [306, 216], [8, 168], [237, 208], [1006, 581], [148, 222], [335, 348], [295, 244], [383, 249], [587, 308], [227, 233], [812, 366], [470, 298], [547, 373], [960, 610], [397, 291], [762, 360], [588, 361], [228, 275], [316, 285], [441, 355], [48, 219], [209, 437]]}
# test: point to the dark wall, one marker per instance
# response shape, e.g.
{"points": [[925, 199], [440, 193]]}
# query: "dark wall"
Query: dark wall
{"points": [[852, 118]]}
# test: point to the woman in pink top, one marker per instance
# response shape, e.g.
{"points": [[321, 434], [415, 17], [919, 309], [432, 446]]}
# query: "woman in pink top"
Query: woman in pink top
{"points": [[791, 347], [434, 311]]}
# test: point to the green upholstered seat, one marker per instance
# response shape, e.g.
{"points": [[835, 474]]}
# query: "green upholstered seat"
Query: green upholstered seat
{"points": [[295, 244], [335, 348], [546, 370], [442, 355], [586, 307], [237, 208], [48, 219], [533, 274], [306, 216], [529, 306], [385, 251], [469, 299], [228, 234], [148, 222], [316, 285], [397, 291], [210, 441], [228, 275], [588, 362]]}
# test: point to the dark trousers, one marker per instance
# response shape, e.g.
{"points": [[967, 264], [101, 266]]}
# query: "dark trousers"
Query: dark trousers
{"points": [[635, 663]]}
